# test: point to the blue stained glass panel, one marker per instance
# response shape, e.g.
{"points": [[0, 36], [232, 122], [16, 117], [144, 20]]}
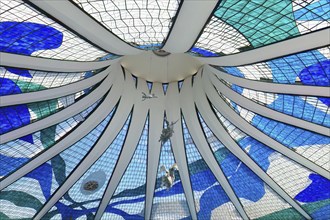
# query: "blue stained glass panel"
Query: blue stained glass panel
{"points": [[307, 68], [288, 135], [12, 117], [322, 213], [8, 86], [41, 183], [169, 203], [16, 153], [315, 11], [25, 38], [129, 198], [318, 75], [316, 191], [308, 108], [287, 69], [245, 183], [79, 202], [207, 192], [313, 146]]}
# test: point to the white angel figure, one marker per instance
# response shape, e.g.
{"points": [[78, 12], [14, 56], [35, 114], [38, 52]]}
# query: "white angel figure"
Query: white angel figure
{"points": [[169, 177]]}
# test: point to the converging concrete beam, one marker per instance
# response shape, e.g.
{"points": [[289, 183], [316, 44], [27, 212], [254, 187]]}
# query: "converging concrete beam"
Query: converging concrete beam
{"points": [[132, 140], [183, 36], [78, 133], [192, 122], [278, 88], [213, 123], [76, 19], [249, 129], [109, 135], [263, 110], [298, 44], [173, 114], [52, 93], [156, 119], [51, 65]]}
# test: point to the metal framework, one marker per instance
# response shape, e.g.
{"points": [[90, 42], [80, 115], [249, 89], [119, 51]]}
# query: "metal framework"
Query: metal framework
{"points": [[183, 36], [214, 124], [70, 15], [53, 93], [46, 64], [305, 42], [118, 87], [320, 91], [189, 113]]}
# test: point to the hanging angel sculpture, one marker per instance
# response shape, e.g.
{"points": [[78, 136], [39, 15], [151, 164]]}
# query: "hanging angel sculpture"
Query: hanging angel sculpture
{"points": [[167, 132], [169, 177], [149, 96]]}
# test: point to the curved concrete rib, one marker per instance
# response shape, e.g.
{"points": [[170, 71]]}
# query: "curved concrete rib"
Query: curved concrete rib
{"points": [[62, 115], [156, 119], [173, 113], [213, 123], [190, 114], [238, 121], [51, 65], [263, 110], [132, 140], [89, 124], [304, 42], [76, 19], [279, 88], [118, 120], [52, 93], [183, 36]]}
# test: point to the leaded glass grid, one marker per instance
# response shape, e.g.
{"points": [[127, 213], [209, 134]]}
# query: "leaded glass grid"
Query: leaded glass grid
{"points": [[30, 174], [169, 203], [293, 177], [307, 68], [39, 35], [37, 80], [211, 201], [129, 191], [143, 24], [313, 109], [18, 152], [260, 23], [314, 147], [257, 198], [42, 182], [77, 198]]}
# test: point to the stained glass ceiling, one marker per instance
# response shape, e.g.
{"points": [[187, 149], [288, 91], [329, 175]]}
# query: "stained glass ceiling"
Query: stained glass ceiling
{"points": [[244, 135]]}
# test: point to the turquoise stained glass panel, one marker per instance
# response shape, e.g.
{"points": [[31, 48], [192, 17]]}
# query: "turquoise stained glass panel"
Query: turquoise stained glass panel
{"points": [[240, 25]]}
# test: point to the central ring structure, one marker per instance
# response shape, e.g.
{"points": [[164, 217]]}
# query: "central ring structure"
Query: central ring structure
{"points": [[163, 69]]}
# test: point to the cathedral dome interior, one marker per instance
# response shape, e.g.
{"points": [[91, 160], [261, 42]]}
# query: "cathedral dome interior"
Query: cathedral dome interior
{"points": [[165, 109]]}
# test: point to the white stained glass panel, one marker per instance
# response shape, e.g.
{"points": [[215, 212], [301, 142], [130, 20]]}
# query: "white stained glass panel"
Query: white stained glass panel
{"points": [[137, 22]]}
